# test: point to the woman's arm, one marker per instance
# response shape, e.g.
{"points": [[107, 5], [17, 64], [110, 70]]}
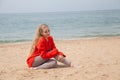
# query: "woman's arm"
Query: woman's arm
{"points": [[54, 47]]}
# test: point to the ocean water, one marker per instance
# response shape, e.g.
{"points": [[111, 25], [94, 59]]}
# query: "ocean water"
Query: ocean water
{"points": [[17, 27]]}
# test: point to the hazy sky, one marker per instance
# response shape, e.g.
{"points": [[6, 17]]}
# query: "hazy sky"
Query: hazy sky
{"points": [[11, 6]]}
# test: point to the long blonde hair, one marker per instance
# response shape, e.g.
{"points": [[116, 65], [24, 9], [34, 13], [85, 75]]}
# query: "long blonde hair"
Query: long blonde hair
{"points": [[38, 34]]}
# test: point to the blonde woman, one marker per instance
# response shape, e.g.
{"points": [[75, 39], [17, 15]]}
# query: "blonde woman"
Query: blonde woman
{"points": [[44, 51]]}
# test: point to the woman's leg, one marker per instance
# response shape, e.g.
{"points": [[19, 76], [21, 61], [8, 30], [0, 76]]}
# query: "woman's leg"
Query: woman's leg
{"points": [[64, 61], [51, 63], [40, 63]]}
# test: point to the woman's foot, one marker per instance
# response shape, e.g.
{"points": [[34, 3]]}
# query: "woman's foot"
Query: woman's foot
{"points": [[33, 68]]}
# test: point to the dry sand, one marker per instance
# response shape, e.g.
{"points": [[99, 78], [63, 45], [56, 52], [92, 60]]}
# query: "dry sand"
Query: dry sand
{"points": [[93, 59]]}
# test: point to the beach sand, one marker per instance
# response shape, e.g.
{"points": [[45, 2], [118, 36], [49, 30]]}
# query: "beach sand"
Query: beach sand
{"points": [[93, 59]]}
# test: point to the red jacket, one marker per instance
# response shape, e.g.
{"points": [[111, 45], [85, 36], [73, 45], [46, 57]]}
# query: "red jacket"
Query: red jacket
{"points": [[44, 48]]}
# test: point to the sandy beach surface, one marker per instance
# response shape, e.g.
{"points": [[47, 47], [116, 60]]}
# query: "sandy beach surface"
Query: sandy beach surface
{"points": [[93, 59]]}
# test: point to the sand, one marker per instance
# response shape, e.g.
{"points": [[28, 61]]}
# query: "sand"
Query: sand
{"points": [[93, 59]]}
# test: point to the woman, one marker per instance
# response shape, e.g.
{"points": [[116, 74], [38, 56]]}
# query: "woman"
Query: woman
{"points": [[43, 49]]}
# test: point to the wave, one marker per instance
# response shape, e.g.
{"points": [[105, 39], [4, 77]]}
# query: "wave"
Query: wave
{"points": [[14, 41]]}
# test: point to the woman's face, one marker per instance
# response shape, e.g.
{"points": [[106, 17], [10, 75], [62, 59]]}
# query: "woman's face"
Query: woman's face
{"points": [[46, 32]]}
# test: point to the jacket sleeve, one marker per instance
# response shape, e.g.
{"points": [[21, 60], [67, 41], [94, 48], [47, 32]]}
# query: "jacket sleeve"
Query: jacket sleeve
{"points": [[43, 52], [52, 42], [54, 47]]}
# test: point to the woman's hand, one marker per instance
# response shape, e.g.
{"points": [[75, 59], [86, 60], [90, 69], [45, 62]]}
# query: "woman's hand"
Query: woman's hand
{"points": [[60, 57]]}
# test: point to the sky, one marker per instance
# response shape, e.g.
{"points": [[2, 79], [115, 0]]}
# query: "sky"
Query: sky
{"points": [[25, 6]]}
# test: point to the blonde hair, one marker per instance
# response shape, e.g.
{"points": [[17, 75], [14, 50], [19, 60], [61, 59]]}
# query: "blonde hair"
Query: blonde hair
{"points": [[38, 34]]}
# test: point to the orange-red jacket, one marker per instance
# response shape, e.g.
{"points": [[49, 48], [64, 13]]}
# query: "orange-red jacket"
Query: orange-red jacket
{"points": [[44, 48]]}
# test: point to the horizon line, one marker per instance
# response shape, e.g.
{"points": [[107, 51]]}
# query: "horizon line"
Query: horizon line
{"points": [[57, 11]]}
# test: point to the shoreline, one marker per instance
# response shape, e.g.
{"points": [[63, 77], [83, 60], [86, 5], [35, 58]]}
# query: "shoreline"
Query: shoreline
{"points": [[72, 39]]}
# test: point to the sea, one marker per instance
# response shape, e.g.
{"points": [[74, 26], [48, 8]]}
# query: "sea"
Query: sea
{"points": [[20, 27]]}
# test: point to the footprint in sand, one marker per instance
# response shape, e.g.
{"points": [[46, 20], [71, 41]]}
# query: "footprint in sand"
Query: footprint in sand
{"points": [[105, 75]]}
